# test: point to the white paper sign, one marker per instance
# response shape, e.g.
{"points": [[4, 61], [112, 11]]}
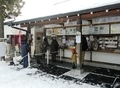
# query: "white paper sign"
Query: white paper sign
{"points": [[2, 49], [63, 39], [63, 31], [78, 37], [91, 38]]}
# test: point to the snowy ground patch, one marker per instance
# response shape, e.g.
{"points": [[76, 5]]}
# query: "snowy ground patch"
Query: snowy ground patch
{"points": [[33, 78]]}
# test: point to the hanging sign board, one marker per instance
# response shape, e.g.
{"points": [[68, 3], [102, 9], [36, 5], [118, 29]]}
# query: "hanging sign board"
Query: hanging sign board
{"points": [[78, 37]]}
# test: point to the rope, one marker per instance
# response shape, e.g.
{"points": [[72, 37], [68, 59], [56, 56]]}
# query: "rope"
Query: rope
{"points": [[10, 54], [44, 53], [24, 56], [114, 81], [36, 54], [103, 75]]}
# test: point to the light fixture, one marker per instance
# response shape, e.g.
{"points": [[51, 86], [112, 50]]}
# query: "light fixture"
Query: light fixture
{"points": [[91, 12], [78, 14], [118, 10], [107, 10]]}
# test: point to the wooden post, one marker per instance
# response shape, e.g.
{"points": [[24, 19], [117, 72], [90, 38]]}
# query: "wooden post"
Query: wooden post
{"points": [[90, 56], [79, 29], [27, 34], [1, 28], [90, 22], [44, 31], [63, 48]]}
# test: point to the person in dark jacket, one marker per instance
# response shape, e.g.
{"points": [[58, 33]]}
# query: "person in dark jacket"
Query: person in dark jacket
{"points": [[24, 52], [45, 45], [54, 49], [84, 47]]}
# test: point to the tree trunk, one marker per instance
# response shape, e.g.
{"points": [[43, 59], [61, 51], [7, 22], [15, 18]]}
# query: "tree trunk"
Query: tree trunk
{"points": [[1, 28]]}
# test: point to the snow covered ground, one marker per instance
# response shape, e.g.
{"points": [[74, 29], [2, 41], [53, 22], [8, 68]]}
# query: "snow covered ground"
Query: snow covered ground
{"points": [[33, 78]]}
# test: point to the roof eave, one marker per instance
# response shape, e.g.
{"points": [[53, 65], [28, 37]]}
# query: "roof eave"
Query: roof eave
{"points": [[113, 6]]}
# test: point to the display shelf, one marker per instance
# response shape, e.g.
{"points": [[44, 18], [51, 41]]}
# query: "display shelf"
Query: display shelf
{"points": [[110, 42], [101, 42], [104, 23], [105, 51], [111, 46], [62, 35], [78, 25], [102, 35]]}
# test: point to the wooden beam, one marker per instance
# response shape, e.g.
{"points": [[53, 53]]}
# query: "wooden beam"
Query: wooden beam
{"points": [[52, 21], [42, 23], [101, 14], [86, 16]]}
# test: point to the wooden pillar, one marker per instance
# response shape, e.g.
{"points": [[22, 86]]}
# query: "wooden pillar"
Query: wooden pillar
{"points": [[79, 45], [1, 28], [44, 31], [65, 38], [28, 36], [90, 22], [90, 56], [80, 29]]}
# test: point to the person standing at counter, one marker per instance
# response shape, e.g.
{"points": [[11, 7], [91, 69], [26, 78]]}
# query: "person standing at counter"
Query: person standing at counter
{"points": [[84, 47], [74, 52], [38, 50], [54, 49], [45, 46], [24, 52]]}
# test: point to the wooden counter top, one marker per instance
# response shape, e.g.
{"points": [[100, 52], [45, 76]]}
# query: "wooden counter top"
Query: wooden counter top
{"points": [[102, 51], [105, 51]]}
